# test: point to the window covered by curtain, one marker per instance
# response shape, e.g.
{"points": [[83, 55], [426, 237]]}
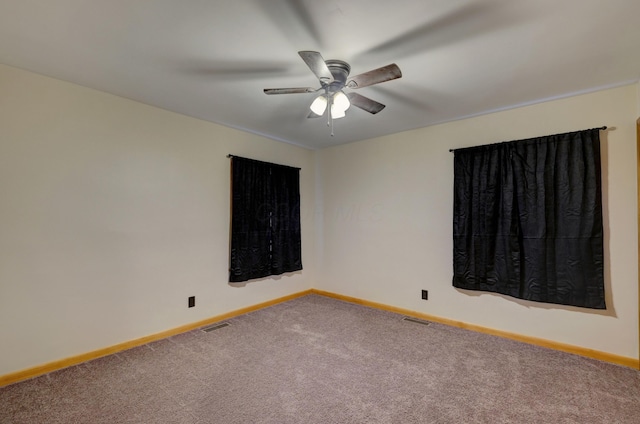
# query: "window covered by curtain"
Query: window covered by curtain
{"points": [[265, 220], [528, 219]]}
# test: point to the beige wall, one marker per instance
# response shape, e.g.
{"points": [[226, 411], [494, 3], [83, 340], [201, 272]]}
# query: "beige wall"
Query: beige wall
{"points": [[387, 214], [112, 213]]}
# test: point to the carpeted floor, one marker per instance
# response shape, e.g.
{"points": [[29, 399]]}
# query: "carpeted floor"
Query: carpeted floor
{"points": [[320, 360]]}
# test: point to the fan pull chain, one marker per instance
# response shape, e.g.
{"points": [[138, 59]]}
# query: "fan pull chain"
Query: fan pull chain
{"points": [[329, 116]]}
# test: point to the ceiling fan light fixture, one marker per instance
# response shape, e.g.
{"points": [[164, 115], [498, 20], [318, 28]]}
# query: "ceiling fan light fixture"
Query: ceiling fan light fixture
{"points": [[319, 105]]}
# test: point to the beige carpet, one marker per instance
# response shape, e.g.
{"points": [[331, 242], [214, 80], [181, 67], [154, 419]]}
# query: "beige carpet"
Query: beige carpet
{"points": [[320, 360]]}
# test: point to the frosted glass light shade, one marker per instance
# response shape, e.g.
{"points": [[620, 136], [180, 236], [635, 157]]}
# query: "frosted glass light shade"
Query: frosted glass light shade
{"points": [[341, 101], [319, 105], [336, 112]]}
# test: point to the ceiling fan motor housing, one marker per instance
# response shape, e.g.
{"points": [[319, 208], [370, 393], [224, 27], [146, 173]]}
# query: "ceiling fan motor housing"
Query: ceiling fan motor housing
{"points": [[340, 71]]}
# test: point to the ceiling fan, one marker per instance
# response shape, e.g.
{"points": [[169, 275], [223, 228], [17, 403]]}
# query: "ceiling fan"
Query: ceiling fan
{"points": [[334, 77]]}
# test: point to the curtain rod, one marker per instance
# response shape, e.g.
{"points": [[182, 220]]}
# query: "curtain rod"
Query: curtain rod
{"points": [[597, 128]]}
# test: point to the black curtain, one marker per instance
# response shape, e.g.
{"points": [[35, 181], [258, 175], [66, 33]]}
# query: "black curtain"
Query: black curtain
{"points": [[528, 219], [265, 220]]}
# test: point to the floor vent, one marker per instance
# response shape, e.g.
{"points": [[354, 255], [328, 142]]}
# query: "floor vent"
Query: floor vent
{"points": [[215, 327], [417, 321]]}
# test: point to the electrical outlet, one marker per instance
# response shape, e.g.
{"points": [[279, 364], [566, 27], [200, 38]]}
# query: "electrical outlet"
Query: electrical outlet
{"points": [[192, 301], [425, 295]]}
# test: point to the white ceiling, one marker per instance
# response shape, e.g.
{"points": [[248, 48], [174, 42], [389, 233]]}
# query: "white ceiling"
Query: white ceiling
{"points": [[211, 59]]}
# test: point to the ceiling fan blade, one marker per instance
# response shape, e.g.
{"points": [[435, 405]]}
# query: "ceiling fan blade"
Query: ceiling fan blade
{"points": [[365, 103], [376, 76], [314, 115], [316, 63], [289, 90]]}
